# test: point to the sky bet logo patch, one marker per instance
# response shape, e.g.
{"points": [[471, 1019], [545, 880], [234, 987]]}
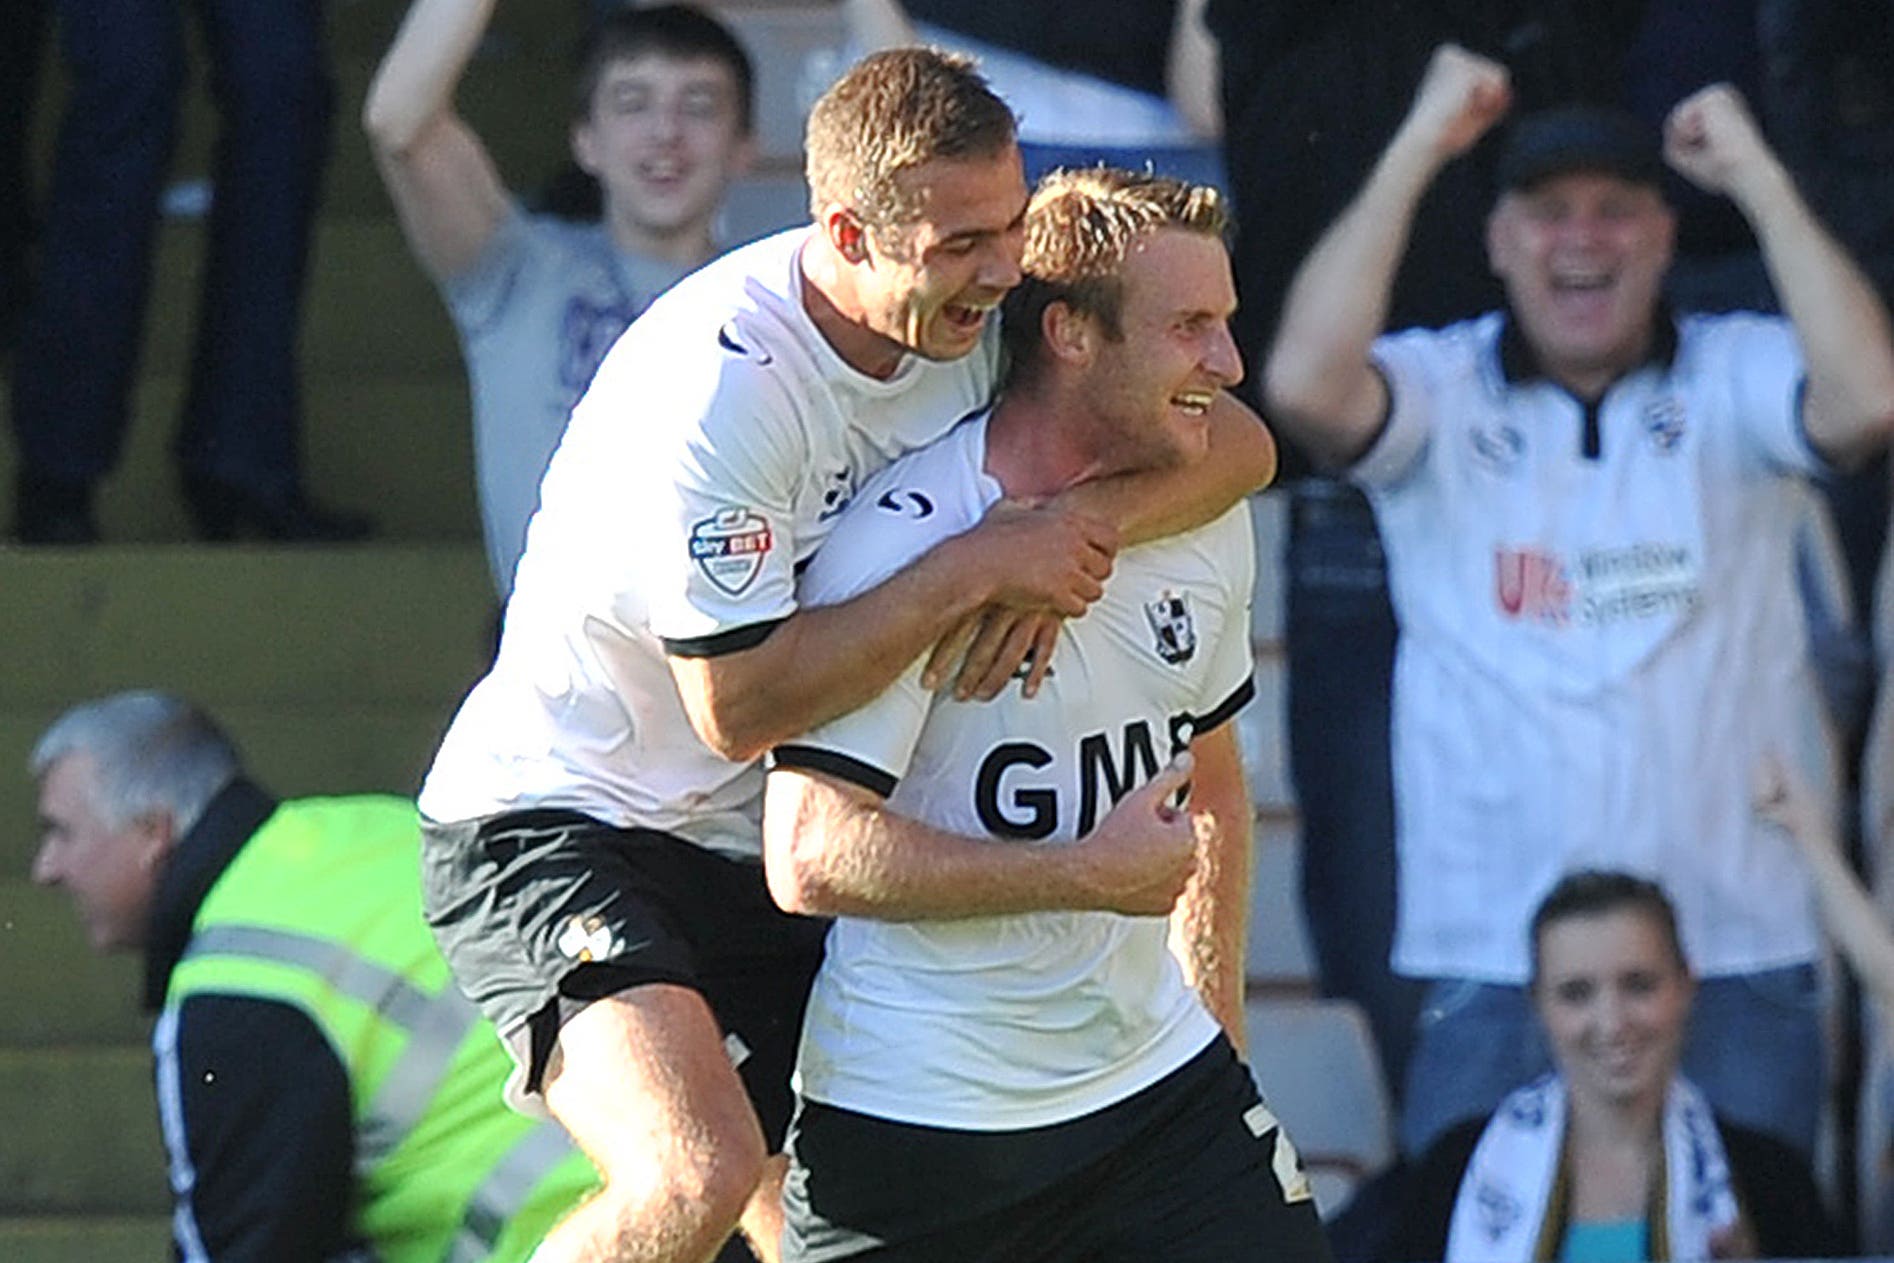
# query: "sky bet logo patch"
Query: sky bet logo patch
{"points": [[729, 548]]}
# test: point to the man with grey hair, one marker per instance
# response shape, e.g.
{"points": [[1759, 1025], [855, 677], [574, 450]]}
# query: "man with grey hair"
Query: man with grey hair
{"points": [[286, 955]]}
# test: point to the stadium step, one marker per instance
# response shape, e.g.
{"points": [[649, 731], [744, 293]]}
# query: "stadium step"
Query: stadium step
{"points": [[336, 669], [82, 1132], [92, 1238], [396, 445], [60, 993]]}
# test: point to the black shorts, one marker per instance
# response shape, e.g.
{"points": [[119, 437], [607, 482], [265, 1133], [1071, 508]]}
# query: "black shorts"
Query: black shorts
{"points": [[1193, 1169], [542, 912]]}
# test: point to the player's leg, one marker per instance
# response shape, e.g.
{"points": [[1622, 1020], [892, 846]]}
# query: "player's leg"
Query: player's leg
{"points": [[644, 1084], [568, 934], [762, 1221], [755, 965]]}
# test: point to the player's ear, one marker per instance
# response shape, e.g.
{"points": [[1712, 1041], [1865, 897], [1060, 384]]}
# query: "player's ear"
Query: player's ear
{"points": [[1069, 335], [845, 232]]}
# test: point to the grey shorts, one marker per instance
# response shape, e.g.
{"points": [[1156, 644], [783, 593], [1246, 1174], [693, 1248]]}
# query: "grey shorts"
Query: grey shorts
{"points": [[542, 912]]}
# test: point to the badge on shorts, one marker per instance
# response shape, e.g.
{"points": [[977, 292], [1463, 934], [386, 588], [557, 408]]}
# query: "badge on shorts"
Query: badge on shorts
{"points": [[729, 548], [587, 939]]}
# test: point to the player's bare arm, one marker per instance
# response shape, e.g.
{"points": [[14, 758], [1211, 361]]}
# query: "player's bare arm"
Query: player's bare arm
{"points": [[1158, 503], [446, 191], [1319, 383], [990, 647], [1210, 924], [832, 848], [823, 663], [1841, 323]]}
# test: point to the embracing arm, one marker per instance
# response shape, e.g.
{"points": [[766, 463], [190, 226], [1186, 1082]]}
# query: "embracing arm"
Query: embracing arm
{"points": [[824, 662], [1210, 925], [443, 183], [1159, 503], [832, 848], [987, 646], [1839, 320], [1319, 382]]}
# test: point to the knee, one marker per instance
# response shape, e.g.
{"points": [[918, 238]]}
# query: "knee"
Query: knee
{"points": [[693, 1190]]}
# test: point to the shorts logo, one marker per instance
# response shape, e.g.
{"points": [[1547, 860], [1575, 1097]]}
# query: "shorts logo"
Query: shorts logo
{"points": [[729, 548], [587, 939], [1173, 627]]}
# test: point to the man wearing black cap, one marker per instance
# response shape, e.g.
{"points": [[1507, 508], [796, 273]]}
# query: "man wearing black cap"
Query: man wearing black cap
{"points": [[1588, 506]]}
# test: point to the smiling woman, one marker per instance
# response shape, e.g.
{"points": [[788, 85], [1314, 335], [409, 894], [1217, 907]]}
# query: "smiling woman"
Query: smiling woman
{"points": [[1615, 1155]]}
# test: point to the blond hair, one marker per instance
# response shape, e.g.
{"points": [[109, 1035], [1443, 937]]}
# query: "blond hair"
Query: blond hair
{"points": [[891, 112], [1080, 228]]}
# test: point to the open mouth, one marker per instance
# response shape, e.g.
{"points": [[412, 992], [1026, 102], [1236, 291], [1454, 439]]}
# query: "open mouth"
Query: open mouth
{"points": [[1193, 403], [964, 316], [1587, 286], [662, 172]]}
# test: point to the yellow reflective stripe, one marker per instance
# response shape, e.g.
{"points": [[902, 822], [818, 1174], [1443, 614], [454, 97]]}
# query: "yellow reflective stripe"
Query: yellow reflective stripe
{"points": [[436, 1025], [506, 1189]]}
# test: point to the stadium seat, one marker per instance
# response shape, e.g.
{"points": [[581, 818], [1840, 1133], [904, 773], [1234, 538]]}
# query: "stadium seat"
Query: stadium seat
{"points": [[1279, 962], [1316, 1064]]}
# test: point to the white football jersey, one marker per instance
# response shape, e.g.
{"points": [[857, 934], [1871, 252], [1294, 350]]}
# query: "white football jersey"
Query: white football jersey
{"points": [[1601, 634], [718, 444], [1007, 1022]]}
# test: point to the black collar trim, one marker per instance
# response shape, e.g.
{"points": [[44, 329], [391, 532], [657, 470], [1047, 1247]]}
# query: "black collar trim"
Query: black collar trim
{"points": [[198, 860], [1518, 365]]}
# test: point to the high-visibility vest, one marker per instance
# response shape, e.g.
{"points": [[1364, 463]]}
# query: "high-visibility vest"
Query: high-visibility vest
{"points": [[321, 910]]}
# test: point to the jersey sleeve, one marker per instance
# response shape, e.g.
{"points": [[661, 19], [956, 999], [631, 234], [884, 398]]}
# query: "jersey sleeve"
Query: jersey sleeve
{"points": [[1230, 682], [1762, 361], [879, 535], [258, 1127], [477, 295], [1404, 361], [870, 747], [717, 542]]}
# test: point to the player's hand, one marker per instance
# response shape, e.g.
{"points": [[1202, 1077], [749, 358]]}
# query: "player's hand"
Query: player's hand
{"points": [[1460, 98], [1141, 855], [1783, 798], [1042, 558], [992, 647], [1711, 139]]}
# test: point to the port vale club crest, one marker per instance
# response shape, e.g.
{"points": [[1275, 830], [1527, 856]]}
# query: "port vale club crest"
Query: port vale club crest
{"points": [[1171, 623]]}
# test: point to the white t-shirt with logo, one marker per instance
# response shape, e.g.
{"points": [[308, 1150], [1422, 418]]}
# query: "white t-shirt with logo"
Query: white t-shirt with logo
{"points": [[1004, 1022], [718, 443], [1595, 649]]}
